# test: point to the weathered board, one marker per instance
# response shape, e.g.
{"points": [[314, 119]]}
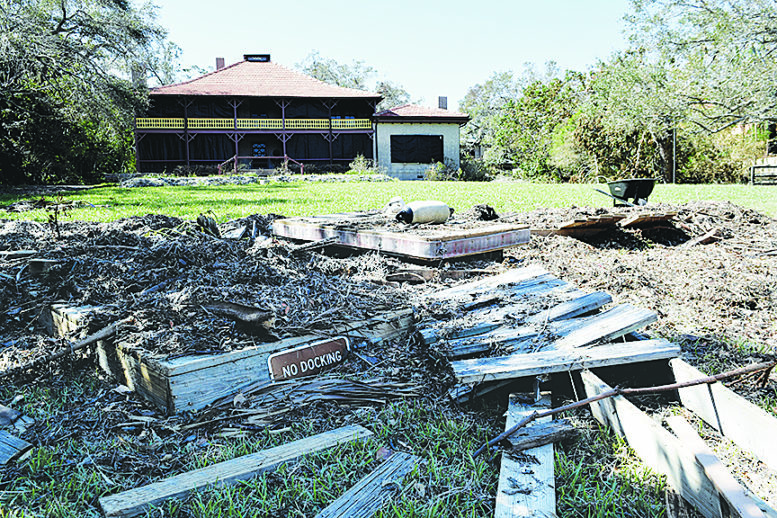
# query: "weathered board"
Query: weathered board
{"points": [[657, 447], [519, 365], [445, 244], [572, 333], [11, 447], [526, 483], [374, 491], [193, 382], [647, 220], [137, 501], [739, 503], [748, 426]]}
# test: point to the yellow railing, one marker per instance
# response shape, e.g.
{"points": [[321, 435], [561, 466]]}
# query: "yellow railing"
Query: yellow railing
{"points": [[271, 124], [260, 124], [351, 124], [212, 123], [159, 123]]}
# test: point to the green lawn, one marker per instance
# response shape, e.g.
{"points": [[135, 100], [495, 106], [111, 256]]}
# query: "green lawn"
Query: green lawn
{"points": [[308, 198]]}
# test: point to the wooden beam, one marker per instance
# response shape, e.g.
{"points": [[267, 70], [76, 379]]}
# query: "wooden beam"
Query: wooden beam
{"points": [[374, 491], [510, 277], [573, 308], [137, 501], [579, 332], [747, 425], [657, 447], [730, 490], [518, 365], [613, 323], [527, 485], [12, 448]]}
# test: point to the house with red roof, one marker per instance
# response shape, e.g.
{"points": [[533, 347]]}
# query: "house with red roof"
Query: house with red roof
{"points": [[409, 138], [256, 114]]}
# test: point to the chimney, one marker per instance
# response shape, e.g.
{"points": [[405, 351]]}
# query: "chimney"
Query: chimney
{"points": [[442, 102], [219, 63]]}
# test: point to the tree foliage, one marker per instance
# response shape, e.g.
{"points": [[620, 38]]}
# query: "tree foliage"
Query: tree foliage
{"points": [[357, 75], [526, 125], [66, 98]]}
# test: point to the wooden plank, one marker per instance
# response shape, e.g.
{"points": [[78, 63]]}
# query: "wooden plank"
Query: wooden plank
{"points": [[748, 426], [541, 434], [489, 319], [592, 221], [730, 490], [613, 323], [526, 487], [515, 366], [374, 491], [137, 501], [510, 277], [657, 447], [642, 220], [11, 447], [573, 308]]}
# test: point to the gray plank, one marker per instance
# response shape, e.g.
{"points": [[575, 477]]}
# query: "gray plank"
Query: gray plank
{"points": [[657, 448], [11, 447], [526, 488], [732, 492], [374, 491], [519, 365], [137, 501], [747, 425]]}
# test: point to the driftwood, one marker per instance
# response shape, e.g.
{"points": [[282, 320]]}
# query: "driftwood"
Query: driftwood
{"points": [[246, 315], [102, 334], [617, 391]]}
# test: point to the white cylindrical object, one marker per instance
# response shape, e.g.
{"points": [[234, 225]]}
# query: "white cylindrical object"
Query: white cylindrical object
{"points": [[425, 212]]}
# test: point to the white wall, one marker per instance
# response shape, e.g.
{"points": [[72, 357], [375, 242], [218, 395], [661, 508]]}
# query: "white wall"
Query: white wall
{"points": [[384, 130]]}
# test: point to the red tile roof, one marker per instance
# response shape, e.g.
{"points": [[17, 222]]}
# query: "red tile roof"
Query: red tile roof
{"points": [[415, 112], [259, 79]]}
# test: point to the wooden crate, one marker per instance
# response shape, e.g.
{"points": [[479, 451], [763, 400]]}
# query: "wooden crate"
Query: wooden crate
{"points": [[194, 381]]}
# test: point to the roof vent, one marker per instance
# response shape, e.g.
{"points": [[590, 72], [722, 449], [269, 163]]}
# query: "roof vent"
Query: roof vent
{"points": [[442, 102], [219, 63], [259, 58]]}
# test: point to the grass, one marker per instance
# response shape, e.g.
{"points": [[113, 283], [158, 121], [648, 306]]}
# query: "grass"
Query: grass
{"points": [[65, 476], [309, 198]]}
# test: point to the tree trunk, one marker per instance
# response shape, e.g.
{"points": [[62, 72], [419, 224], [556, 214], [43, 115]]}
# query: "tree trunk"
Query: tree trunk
{"points": [[664, 146]]}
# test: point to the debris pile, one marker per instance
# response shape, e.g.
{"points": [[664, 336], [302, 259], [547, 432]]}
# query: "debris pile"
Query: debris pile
{"points": [[698, 279]]}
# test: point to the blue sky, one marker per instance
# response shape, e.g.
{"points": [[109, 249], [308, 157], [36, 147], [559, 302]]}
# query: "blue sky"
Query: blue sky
{"points": [[430, 48]]}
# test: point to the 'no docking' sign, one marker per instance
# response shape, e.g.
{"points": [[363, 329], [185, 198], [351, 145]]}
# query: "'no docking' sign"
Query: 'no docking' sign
{"points": [[308, 359]]}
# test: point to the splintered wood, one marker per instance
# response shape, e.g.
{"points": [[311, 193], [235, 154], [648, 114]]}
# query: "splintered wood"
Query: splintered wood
{"points": [[526, 322]]}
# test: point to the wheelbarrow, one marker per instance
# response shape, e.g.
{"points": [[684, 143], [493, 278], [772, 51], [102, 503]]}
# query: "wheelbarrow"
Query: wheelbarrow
{"points": [[637, 189]]}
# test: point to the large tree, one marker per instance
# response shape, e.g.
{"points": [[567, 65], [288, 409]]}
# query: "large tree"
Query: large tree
{"points": [[357, 75], [66, 94], [699, 65]]}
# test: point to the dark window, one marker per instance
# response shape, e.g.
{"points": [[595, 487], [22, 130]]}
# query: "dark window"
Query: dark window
{"points": [[416, 149]]}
